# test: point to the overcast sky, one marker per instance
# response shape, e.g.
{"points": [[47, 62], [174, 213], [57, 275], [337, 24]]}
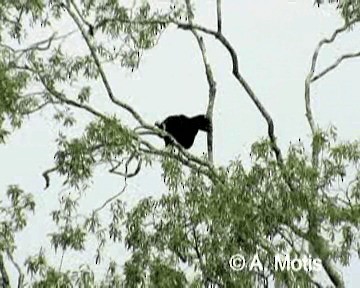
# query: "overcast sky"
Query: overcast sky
{"points": [[274, 41]]}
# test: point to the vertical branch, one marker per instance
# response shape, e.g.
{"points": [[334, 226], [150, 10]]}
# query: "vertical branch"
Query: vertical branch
{"points": [[17, 267], [210, 80], [309, 77], [62, 259], [207, 279], [313, 220], [5, 282], [219, 17]]}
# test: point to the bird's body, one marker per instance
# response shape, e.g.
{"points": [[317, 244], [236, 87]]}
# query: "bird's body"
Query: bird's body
{"points": [[184, 129]]}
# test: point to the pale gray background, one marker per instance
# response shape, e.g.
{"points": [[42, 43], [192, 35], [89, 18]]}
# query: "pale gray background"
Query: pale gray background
{"points": [[274, 40]]}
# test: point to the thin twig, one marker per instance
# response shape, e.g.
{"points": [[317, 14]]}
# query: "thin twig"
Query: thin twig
{"points": [[38, 45], [110, 199], [62, 259], [38, 108], [126, 174]]}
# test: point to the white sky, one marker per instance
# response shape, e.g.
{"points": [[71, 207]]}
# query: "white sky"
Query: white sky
{"points": [[274, 41]]}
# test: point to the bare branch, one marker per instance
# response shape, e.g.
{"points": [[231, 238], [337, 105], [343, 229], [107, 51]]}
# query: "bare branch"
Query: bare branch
{"points": [[219, 17], [90, 26], [334, 276], [235, 63], [250, 92], [308, 80], [34, 46], [62, 259], [334, 65], [188, 26], [210, 80], [46, 173], [110, 199]]}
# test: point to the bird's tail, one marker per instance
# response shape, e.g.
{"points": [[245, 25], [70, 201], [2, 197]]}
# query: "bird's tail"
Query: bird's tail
{"points": [[202, 122]]}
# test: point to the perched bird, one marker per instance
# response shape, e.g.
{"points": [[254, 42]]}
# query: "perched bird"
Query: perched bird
{"points": [[184, 129]]}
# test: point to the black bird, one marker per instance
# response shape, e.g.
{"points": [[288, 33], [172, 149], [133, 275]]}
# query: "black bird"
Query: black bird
{"points": [[184, 129]]}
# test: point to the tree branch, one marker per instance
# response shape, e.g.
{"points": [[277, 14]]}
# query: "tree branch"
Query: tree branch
{"points": [[309, 78], [235, 63], [91, 110], [189, 162], [334, 65], [100, 68], [331, 272], [38, 108], [125, 106], [314, 239], [126, 174], [46, 176], [17, 267], [112, 198], [37, 45], [210, 80], [190, 158], [4, 280], [317, 241], [219, 17], [334, 276], [207, 279]]}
